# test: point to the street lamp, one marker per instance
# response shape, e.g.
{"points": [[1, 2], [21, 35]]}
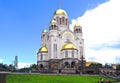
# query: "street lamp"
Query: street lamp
{"points": [[82, 64]]}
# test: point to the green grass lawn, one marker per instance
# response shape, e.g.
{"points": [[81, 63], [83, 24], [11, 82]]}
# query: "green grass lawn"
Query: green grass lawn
{"points": [[36, 78]]}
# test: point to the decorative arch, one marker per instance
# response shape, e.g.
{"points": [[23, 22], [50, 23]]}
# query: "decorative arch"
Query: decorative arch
{"points": [[68, 33]]}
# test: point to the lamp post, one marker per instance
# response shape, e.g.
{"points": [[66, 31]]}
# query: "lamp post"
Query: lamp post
{"points": [[82, 64]]}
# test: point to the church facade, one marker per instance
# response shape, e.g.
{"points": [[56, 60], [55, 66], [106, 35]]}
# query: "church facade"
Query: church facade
{"points": [[62, 50]]}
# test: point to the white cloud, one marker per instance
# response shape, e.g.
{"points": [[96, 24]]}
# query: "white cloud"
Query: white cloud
{"points": [[23, 65], [101, 26], [1, 60]]}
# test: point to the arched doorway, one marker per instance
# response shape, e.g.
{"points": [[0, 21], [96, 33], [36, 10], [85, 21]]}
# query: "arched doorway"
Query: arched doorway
{"points": [[72, 64], [41, 65], [66, 64]]}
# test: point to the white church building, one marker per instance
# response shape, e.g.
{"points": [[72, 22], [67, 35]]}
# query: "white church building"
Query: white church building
{"points": [[62, 50]]}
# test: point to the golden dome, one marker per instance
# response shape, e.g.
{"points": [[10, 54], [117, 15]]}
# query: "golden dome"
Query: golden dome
{"points": [[68, 46], [77, 25], [43, 49], [60, 11], [45, 31], [53, 21]]}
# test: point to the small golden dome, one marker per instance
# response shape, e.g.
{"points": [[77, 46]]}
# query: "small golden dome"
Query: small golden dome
{"points": [[53, 21], [77, 25], [68, 46], [45, 31], [60, 11], [43, 49]]}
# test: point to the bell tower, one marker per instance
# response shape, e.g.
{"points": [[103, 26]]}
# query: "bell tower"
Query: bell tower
{"points": [[61, 18]]}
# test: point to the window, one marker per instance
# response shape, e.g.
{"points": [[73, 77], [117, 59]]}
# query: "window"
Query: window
{"points": [[63, 21], [77, 30], [55, 47], [55, 27], [57, 19], [51, 27], [73, 54], [81, 51], [41, 56], [66, 54], [66, 21], [60, 21]]}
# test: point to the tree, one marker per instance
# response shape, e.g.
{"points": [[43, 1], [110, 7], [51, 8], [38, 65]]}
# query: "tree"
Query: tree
{"points": [[118, 68], [96, 65], [33, 67], [107, 66], [11, 67]]}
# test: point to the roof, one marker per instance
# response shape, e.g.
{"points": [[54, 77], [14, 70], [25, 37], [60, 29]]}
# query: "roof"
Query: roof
{"points": [[89, 63]]}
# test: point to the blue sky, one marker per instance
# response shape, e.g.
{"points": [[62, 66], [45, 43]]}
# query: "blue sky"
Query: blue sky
{"points": [[22, 21]]}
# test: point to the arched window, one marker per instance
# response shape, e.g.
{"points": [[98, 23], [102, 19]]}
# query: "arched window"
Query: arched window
{"points": [[66, 22], [66, 54], [77, 30], [55, 27], [38, 57], [66, 64], [57, 19], [41, 56], [63, 20], [55, 47], [52, 27], [81, 51], [73, 54], [60, 21]]}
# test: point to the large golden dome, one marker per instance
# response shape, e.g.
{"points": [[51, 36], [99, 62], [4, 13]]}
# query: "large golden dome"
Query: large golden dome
{"points": [[68, 46], [43, 49], [60, 11]]}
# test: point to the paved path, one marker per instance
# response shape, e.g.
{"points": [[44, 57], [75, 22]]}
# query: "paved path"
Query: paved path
{"points": [[3, 75]]}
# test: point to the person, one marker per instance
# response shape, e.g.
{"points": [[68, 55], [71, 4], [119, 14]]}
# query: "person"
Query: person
{"points": [[108, 81], [101, 80]]}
